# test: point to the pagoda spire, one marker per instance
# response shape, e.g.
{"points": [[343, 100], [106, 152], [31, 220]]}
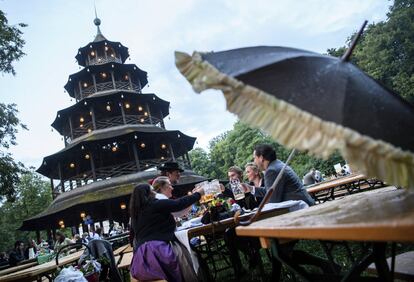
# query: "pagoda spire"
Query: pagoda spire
{"points": [[99, 36]]}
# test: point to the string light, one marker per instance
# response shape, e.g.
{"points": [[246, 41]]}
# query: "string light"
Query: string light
{"points": [[87, 156], [127, 106], [62, 226], [89, 130], [140, 108], [81, 125], [163, 146], [123, 206], [90, 113], [142, 145], [72, 165], [108, 108], [114, 149], [146, 114], [92, 53], [162, 158], [106, 48], [81, 119], [61, 222], [82, 214], [103, 74], [126, 77], [58, 115], [86, 103], [142, 120]]}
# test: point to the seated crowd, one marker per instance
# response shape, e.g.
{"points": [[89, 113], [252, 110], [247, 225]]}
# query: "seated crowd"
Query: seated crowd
{"points": [[157, 252]]}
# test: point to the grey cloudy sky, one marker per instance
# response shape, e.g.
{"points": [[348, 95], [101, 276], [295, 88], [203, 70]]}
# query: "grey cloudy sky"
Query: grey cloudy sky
{"points": [[153, 30]]}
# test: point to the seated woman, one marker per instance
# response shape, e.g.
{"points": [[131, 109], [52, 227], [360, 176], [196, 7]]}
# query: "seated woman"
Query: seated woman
{"points": [[157, 253], [61, 241], [255, 178], [163, 189]]}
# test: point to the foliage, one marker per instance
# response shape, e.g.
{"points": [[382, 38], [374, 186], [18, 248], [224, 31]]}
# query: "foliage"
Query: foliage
{"points": [[9, 169], [11, 44], [386, 50], [33, 194], [235, 147]]}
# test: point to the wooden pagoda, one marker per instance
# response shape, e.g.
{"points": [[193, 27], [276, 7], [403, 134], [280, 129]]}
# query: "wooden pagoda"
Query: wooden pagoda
{"points": [[114, 137]]}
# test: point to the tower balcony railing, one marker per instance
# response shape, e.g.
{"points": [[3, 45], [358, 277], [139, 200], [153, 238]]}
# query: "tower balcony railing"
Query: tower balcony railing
{"points": [[104, 173], [107, 86], [114, 121], [104, 60]]}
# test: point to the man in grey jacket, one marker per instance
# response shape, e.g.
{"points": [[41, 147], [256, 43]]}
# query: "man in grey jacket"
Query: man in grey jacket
{"points": [[290, 186]]}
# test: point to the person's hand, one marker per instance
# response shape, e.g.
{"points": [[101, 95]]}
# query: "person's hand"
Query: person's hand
{"points": [[246, 187], [222, 188], [199, 190]]}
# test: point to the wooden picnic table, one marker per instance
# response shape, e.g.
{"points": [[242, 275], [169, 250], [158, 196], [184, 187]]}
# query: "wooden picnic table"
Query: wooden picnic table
{"points": [[220, 226], [382, 215], [17, 268], [325, 191], [38, 271]]}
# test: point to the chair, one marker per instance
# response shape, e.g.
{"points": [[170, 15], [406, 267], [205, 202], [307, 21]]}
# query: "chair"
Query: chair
{"points": [[103, 249]]}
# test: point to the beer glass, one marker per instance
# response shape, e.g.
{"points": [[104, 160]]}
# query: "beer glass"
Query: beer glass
{"points": [[237, 190]]}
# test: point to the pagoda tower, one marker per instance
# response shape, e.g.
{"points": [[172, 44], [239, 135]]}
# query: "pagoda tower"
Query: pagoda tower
{"points": [[114, 137]]}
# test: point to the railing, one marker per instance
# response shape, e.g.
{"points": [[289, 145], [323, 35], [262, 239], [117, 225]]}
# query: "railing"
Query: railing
{"points": [[103, 173], [102, 60], [107, 86], [114, 121]]}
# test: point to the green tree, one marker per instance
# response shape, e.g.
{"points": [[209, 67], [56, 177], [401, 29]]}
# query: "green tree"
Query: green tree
{"points": [[11, 44], [9, 169], [386, 50], [33, 194]]}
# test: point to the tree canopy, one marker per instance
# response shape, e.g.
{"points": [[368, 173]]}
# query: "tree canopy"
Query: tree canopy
{"points": [[386, 49], [11, 44], [33, 195]]}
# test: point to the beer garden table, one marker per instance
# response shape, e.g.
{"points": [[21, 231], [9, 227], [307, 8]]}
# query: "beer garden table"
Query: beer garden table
{"points": [[214, 231], [325, 190], [41, 270], [377, 216]]}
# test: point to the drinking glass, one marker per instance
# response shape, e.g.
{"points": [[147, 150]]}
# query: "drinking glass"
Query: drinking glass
{"points": [[237, 190]]}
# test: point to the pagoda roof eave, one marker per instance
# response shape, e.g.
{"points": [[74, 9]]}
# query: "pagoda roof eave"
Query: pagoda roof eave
{"points": [[77, 200], [164, 105], [114, 133], [118, 45], [142, 75]]}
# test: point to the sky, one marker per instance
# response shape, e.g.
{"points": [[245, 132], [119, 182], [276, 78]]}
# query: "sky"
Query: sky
{"points": [[153, 30]]}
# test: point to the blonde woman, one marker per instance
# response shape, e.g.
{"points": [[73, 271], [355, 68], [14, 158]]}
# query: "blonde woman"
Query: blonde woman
{"points": [[163, 189], [254, 177]]}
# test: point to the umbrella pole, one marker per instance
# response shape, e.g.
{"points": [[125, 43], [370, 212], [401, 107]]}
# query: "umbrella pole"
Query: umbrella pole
{"points": [[267, 196], [348, 52]]}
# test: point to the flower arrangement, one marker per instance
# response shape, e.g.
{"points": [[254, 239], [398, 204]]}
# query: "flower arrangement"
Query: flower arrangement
{"points": [[217, 209]]}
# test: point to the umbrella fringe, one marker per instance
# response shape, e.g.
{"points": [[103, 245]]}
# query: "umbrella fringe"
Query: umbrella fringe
{"points": [[295, 128]]}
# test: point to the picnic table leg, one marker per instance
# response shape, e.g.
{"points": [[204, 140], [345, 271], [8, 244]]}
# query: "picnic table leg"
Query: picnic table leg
{"points": [[279, 254], [378, 257]]}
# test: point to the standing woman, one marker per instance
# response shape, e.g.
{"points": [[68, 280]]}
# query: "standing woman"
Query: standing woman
{"points": [[254, 176], [157, 252]]}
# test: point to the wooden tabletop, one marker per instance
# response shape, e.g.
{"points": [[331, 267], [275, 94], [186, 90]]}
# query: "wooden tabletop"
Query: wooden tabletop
{"points": [[34, 272], [385, 214], [229, 222], [17, 268], [335, 183]]}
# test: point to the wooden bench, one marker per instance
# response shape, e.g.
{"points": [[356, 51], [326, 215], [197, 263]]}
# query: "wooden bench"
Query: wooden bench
{"points": [[404, 266], [328, 190]]}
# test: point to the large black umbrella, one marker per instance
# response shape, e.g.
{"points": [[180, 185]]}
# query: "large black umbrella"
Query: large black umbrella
{"points": [[313, 102]]}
